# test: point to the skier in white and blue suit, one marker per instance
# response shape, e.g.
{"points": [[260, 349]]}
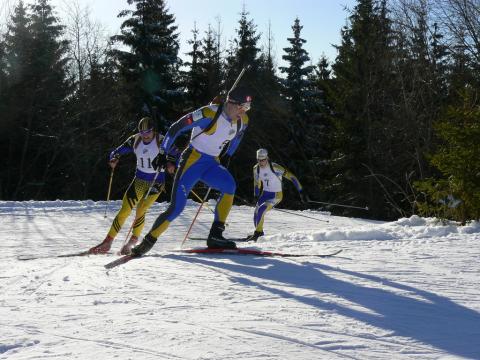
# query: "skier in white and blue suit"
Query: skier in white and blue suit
{"points": [[213, 127]]}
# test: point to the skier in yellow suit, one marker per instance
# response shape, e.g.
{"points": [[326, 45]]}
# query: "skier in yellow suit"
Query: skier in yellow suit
{"points": [[145, 145]]}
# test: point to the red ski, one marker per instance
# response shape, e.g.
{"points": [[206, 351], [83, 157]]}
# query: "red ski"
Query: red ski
{"points": [[206, 251], [252, 252]]}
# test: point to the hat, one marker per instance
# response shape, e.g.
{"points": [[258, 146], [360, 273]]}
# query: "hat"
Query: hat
{"points": [[262, 154], [145, 124], [240, 95]]}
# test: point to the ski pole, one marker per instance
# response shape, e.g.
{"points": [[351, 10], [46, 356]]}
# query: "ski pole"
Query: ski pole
{"points": [[340, 205], [284, 211], [208, 206], [195, 218], [108, 192], [199, 198]]}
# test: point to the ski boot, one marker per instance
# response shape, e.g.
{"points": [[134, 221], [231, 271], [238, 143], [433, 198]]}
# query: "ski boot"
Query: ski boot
{"points": [[144, 247], [216, 240], [254, 236], [103, 247], [127, 248]]}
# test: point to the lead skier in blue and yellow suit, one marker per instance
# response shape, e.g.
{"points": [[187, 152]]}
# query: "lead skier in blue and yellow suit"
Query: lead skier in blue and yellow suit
{"points": [[213, 127]]}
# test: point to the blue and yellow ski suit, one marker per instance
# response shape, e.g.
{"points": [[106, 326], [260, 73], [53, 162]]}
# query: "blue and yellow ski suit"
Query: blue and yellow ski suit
{"points": [[200, 161]]}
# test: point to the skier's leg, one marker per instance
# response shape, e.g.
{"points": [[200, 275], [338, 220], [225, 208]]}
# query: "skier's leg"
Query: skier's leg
{"points": [[189, 171]]}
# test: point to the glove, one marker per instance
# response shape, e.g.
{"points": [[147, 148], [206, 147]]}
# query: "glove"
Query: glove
{"points": [[304, 197], [225, 161], [159, 161], [171, 164], [113, 161]]}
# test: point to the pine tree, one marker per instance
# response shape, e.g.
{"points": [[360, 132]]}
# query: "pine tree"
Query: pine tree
{"points": [[16, 59], [195, 77], [361, 95], [297, 84], [211, 63], [149, 67], [456, 193], [299, 93], [243, 51], [269, 107], [51, 90], [38, 89]]}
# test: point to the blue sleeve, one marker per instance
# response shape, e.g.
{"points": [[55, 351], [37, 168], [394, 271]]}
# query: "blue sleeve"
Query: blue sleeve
{"points": [[125, 148], [185, 124]]}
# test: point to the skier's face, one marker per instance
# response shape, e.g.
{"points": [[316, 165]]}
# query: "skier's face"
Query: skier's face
{"points": [[262, 162], [235, 110], [147, 135]]}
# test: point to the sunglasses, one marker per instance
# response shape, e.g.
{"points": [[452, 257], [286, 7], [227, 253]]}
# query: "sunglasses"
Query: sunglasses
{"points": [[245, 106], [146, 132], [260, 160]]}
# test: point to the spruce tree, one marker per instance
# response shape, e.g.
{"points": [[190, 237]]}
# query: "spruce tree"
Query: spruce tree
{"points": [[196, 78], [149, 66], [38, 89], [361, 97], [211, 64], [16, 60], [243, 51], [299, 93], [297, 83], [455, 194]]}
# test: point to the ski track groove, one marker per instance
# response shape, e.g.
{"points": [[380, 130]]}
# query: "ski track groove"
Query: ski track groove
{"points": [[109, 343]]}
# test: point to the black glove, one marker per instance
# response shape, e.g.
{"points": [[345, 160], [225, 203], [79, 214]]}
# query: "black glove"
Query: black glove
{"points": [[304, 197], [225, 160], [159, 161]]}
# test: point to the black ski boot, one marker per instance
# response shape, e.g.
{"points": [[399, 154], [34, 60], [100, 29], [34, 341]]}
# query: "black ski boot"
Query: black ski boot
{"points": [[254, 236], [144, 247], [216, 240]]}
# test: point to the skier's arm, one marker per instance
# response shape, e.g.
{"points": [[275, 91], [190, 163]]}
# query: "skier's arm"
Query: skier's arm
{"points": [[125, 148], [201, 118], [256, 182], [288, 175]]}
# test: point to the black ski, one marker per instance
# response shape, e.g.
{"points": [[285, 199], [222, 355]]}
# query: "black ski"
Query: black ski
{"points": [[81, 253], [122, 260], [231, 239]]}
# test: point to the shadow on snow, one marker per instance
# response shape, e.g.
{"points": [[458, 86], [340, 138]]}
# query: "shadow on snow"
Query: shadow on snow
{"points": [[427, 318]]}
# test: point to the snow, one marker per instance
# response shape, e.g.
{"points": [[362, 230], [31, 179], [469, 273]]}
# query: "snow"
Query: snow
{"points": [[407, 289]]}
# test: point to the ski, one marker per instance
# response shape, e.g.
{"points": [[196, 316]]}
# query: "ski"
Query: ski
{"points": [[122, 260], [253, 252], [81, 253], [222, 251], [231, 239]]}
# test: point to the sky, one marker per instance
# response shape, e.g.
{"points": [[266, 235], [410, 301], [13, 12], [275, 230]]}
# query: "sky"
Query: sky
{"points": [[322, 20], [402, 290]]}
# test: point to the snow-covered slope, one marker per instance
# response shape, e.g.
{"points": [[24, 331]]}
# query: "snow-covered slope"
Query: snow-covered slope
{"points": [[407, 289]]}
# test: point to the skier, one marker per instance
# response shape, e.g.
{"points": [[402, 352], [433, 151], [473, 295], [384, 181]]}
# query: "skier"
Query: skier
{"points": [[213, 127], [145, 144], [267, 187]]}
